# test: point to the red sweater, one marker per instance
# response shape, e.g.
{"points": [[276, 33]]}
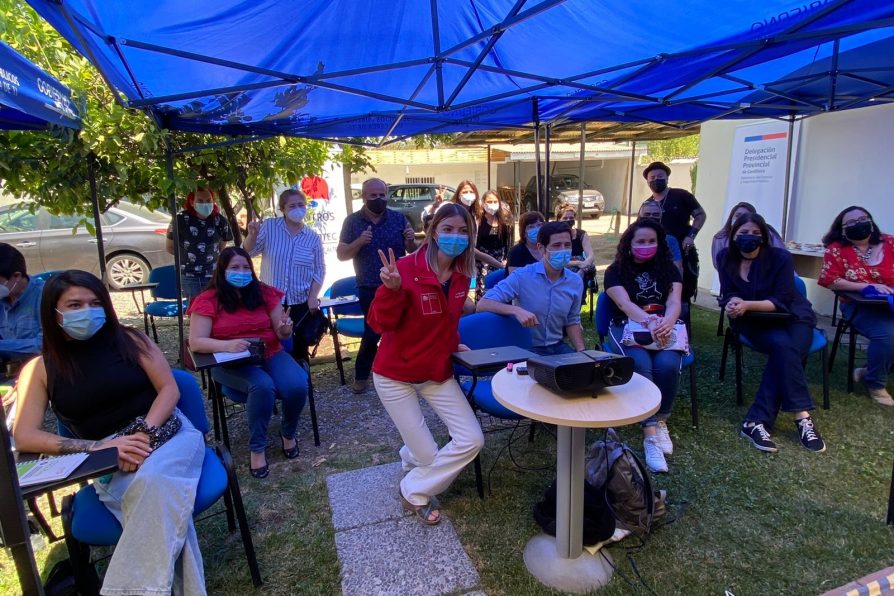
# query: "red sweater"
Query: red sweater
{"points": [[418, 323]]}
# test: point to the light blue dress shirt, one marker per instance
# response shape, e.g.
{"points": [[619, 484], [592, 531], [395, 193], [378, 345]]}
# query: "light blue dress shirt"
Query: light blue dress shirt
{"points": [[20, 333], [556, 304]]}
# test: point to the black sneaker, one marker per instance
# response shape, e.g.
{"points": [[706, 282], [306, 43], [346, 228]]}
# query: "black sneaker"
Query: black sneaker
{"points": [[759, 436], [808, 435]]}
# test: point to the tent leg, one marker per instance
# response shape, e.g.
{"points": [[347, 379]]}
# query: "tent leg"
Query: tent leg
{"points": [[172, 207], [547, 200], [630, 188], [539, 186], [97, 223], [580, 181]]}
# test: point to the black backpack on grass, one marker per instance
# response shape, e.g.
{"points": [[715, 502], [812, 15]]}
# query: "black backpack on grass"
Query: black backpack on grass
{"points": [[599, 521], [614, 467]]}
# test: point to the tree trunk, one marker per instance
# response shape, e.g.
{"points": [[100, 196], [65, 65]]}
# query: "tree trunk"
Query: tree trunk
{"points": [[227, 205], [349, 196]]}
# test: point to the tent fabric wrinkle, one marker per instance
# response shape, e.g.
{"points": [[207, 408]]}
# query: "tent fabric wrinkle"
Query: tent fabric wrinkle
{"points": [[341, 68]]}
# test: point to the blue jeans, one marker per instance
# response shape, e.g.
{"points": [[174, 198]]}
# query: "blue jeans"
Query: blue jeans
{"points": [[876, 324], [193, 286], [783, 384], [369, 344], [662, 367], [556, 348], [279, 376]]}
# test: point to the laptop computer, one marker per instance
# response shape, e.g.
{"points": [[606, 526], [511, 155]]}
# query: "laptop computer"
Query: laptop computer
{"points": [[491, 358]]}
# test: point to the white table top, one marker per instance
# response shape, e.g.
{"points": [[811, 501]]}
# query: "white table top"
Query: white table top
{"points": [[614, 406]]}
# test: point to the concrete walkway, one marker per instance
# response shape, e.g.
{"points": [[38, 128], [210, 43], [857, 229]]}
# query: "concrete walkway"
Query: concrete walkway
{"points": [[384, 549]]}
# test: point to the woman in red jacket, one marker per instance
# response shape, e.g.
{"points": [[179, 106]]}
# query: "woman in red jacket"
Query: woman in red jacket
{"points": [[417, 311]]}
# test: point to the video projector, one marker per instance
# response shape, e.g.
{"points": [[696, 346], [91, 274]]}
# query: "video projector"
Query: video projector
{"points": [[581, 372]]}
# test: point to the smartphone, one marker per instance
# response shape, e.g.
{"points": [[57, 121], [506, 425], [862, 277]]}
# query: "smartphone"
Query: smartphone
{"points": [[521, 369]]}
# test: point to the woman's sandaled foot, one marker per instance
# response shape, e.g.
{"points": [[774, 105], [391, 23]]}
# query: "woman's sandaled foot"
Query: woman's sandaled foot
{"points": [[289, 452], [429, 514], [257, 466]]}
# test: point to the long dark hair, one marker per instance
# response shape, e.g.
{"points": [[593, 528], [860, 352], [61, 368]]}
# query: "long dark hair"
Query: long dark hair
{"points": [[729, 218], [56, 344], [526, 219], [231, 298], [627, 267], [836, 232], [733, 254]]}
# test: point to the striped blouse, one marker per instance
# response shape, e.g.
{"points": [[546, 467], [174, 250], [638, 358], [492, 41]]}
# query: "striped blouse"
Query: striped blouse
{"points": [[290, 262]]}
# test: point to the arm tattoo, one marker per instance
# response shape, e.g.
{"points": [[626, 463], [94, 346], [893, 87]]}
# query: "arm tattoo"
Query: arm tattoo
{"points": [[66, 446]]}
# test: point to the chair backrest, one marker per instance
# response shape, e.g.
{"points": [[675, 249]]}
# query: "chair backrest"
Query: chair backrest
{"points": [[800, 286], [191, 403], [166, 279], [493, 278], [45, 275], [347, 286], [603, 315], [490, 330]]}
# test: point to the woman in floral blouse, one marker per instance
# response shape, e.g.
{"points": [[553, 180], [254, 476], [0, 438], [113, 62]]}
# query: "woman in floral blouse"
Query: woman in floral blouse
{"points": [[859, 256]]}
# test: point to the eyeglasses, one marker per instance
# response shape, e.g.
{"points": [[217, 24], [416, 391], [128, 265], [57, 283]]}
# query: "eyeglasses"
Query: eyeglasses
{"points": [[853, 222]]}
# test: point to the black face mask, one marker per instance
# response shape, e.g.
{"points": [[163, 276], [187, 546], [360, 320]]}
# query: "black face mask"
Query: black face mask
{"points": [[377, 206], [858, 231], [747, 243], [658, 185]]}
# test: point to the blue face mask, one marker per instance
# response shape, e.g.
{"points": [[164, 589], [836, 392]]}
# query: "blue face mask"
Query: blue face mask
{"points": [[532, 234], [204, 209], [559, 258], [297, 214], [83, 323], [453, 245], [238, 279]]}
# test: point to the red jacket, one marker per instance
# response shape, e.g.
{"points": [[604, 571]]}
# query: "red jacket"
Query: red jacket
{"points": [[418, 324]]}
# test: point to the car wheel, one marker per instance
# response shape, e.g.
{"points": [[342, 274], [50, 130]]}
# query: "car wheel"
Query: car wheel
{"points": [[125, 270]]}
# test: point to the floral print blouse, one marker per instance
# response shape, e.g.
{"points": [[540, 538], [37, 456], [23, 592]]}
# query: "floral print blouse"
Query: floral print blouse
{"points": [[843, 262]]}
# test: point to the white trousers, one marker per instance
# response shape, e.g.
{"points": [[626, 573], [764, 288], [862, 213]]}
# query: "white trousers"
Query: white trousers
{"points": [[431, 470]]}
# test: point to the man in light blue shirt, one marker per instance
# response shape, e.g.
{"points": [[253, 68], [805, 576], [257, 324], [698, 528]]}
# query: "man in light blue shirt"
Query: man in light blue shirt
{"points": [[20, 333], [544, 296]]}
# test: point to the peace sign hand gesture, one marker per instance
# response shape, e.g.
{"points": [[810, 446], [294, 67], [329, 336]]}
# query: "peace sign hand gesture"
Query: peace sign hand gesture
{"points": [[389, 273]]}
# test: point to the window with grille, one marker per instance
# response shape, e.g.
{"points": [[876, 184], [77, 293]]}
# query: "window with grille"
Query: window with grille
{"points": [[420, 180]]}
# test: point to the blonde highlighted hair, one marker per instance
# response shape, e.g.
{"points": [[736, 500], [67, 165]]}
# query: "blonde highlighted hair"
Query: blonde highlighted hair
{"points": [[465, 262]]}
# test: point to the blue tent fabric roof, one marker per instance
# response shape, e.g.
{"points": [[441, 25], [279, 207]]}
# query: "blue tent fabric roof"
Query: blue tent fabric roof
{"points": [[395, 68], [30, 99]]}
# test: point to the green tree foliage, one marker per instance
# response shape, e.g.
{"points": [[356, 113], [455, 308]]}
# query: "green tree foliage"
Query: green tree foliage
{"points": [[668, 149], [51, 167]]}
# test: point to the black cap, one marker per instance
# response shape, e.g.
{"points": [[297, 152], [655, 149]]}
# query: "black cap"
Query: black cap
{"points": [[656, 165]]}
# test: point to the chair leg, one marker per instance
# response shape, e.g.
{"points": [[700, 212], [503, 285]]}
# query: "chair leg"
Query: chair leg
{"points": [[338, 363], [851, 358], [146, 322], [86, 579], [479, 482], [154, 330], [228, 509], [41, 520], [238, 506], [723, 355], [720, 324], [532, 431], [693, 396], [824, 354], [839, 331], [739, 364], [891, 502], [51, 501]]}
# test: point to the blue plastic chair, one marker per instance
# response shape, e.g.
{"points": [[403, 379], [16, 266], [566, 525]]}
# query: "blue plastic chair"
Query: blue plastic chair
{"points": [[604, 312], [44, 276], [736, 340], [347, 319], [165, 297], [488, 330], [493, 278], [87, 522]]}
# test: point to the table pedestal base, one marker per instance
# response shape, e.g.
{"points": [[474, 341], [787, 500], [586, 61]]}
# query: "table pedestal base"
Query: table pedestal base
{"points": [[583, 574]]}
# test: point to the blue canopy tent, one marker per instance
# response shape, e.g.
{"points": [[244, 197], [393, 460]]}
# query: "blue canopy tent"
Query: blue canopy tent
{"points": [[30, 99]]}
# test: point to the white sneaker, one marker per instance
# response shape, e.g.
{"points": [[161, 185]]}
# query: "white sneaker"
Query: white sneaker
{"points": [[654, 456], [664, 438]]}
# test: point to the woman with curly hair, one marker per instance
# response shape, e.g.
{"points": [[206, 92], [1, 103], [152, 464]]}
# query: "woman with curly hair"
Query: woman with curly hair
{"points": [[645, 287]]}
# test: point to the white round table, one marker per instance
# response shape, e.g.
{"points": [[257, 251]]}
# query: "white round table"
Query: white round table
{"points": [[560, 562]]}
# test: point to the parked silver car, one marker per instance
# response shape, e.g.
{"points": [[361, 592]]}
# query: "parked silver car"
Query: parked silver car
{"points": [[133, 236]]}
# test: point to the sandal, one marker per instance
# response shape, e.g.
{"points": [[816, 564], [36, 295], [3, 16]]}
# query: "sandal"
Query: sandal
{"points": [[261, 472], [423, 512], [291, 453]]}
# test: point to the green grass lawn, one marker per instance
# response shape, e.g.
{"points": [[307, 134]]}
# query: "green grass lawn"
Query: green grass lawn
{"points": [[793, 522]]}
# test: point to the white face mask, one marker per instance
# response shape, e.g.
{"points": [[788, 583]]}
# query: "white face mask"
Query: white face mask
{"points": [[492, 208], [5, 290], [467, 197], [296, 215]]}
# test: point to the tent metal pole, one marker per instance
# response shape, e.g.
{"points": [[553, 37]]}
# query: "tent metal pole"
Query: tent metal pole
{"points": [[547, 207], [488, 168], [580, 177], [630, 188], [172, 207], [539, 173], [788, 169], [97, 222]]}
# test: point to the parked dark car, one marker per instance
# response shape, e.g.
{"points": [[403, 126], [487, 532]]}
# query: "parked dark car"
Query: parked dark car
{"points": [[564, 188], [411, 199], [134, 239]]}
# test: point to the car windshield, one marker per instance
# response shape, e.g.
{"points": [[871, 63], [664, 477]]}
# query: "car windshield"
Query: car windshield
{"points": [[144, 212]]}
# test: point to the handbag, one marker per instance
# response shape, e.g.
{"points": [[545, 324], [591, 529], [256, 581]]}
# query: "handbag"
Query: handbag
{"points": [[637, 334]]}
